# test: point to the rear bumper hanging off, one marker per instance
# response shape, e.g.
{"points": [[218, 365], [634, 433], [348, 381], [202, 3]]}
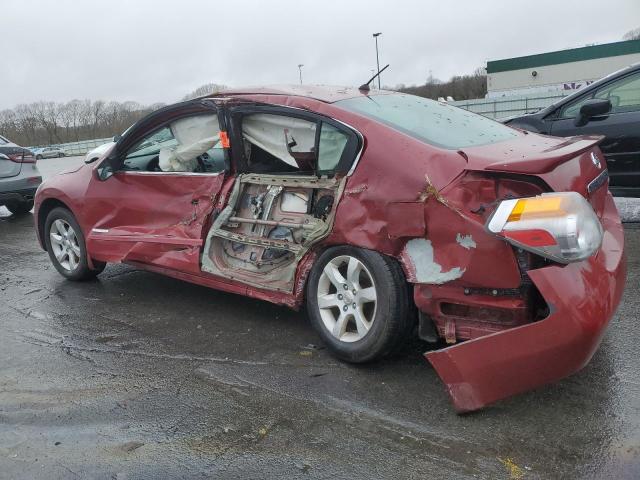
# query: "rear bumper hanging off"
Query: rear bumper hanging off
{"points": [[582, 297]]}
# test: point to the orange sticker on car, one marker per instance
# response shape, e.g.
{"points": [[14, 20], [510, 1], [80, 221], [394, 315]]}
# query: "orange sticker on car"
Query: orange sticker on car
{"points": [[224, 140]]}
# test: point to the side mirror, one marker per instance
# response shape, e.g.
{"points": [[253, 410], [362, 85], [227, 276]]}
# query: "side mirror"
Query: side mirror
{"points": [[116, 138], [106, 169], [592, 108], [104, 172]]}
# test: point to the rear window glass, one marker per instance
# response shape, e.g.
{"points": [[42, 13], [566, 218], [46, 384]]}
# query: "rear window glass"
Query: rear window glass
{"points": [[433, 122]]}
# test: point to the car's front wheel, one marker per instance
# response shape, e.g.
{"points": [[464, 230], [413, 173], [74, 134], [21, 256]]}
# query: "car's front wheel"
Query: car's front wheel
{"points": [[38, 157], [66, 246], [358, 302], [60, 155]]}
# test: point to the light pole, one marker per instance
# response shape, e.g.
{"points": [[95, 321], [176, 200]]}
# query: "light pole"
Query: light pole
{"points": [[300, 65], [376, 35]]}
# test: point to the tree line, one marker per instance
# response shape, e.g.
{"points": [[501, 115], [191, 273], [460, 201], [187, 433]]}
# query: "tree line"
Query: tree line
{"points": [[459, 87], [48, 123]]}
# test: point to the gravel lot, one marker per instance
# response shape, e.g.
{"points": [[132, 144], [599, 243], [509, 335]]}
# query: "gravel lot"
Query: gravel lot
{"points": [[139, 376]]}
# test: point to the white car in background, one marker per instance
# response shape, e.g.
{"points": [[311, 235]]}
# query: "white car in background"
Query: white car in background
{"points": [[48, 152], [97, 152], [100, 150]]}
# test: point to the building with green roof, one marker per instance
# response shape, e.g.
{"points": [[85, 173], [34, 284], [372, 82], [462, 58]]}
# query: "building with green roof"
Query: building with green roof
{"points": [[560, 71]]}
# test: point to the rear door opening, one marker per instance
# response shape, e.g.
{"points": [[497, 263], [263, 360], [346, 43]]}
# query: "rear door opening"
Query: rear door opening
{"points": [[291, 175]]}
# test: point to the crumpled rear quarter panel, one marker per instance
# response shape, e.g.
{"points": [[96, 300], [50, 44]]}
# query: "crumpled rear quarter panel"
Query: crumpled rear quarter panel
{"points": [[582, 297]]}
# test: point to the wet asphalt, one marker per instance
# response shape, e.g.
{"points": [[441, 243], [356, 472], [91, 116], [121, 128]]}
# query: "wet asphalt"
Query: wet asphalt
{"points": [[135, 375]]}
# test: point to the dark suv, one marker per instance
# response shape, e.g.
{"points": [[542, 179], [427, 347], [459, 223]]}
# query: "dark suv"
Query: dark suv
{"points": [[609, 107]]}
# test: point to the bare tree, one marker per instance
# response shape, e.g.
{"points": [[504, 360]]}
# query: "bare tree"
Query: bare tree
{"points": [[460, 87], [201, 91], [27, 122], [46, 123], [632, 34]]}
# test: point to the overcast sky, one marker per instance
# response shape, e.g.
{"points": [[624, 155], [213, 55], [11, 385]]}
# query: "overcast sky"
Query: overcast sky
{"points": [[159, 50]]}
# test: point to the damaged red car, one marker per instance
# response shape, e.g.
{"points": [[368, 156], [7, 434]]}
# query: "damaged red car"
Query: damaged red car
{"points": [[388, 215]]}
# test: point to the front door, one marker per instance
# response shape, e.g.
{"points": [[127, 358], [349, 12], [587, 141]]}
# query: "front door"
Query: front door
{"points": [[621, 127], [166, 175]]}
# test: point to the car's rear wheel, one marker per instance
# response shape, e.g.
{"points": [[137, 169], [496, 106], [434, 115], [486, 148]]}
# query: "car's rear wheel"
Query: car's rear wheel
{"points": [[66, 246], [20, 208], [60, 155], [358, 302], [38, 157]]}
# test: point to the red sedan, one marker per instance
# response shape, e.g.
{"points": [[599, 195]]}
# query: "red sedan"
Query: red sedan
{"points": [[389, 215]]}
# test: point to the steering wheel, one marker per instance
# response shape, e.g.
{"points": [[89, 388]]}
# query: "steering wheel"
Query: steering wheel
{"points": [[154, 164]]}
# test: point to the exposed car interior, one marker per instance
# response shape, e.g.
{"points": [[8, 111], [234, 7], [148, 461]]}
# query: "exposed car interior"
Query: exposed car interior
{"points": [[283, 199], [276, 143], [189, 144], [268, 225], [281, 208], [283, 144]]}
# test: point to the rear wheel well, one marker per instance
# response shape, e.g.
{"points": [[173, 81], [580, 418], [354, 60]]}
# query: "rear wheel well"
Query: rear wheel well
{"points": [[394, 312], [318, 253], [46, 207]]}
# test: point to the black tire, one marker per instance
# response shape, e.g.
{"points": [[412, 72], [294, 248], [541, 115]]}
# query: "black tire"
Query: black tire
{"points": [[38, 157], [20, 208], [392, 322], [60, 155], [81, 270]]}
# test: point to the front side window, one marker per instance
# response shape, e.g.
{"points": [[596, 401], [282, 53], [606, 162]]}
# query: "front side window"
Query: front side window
{"points": [[276, 143], [571, 110], [189, 144], [432, 122], [624, 95]]}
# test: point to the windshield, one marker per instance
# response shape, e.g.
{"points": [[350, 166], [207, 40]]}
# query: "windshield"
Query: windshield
{"points": [[436, 123], [3, 140]]}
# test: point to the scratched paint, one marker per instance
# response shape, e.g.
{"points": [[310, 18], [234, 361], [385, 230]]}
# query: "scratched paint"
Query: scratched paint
{"points": [[420, 251], [465, 241]]}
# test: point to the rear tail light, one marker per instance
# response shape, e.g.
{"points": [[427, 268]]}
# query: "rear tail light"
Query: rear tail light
{"points": [[18, 157], [559, 226]]}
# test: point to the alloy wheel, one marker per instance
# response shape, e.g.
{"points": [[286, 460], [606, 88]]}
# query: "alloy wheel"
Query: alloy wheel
{"points": [[347, 298], [64, 243]]}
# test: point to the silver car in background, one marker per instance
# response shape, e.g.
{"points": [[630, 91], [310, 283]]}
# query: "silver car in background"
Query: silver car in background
{"points": [[48, 152], [19, 177]]}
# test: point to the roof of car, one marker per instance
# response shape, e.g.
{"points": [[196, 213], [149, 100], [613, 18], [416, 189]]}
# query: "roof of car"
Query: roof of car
{"points": [[323, 93]]}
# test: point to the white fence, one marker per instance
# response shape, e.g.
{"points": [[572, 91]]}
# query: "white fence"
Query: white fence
{"points": [[508, 106], [77, 148]]}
